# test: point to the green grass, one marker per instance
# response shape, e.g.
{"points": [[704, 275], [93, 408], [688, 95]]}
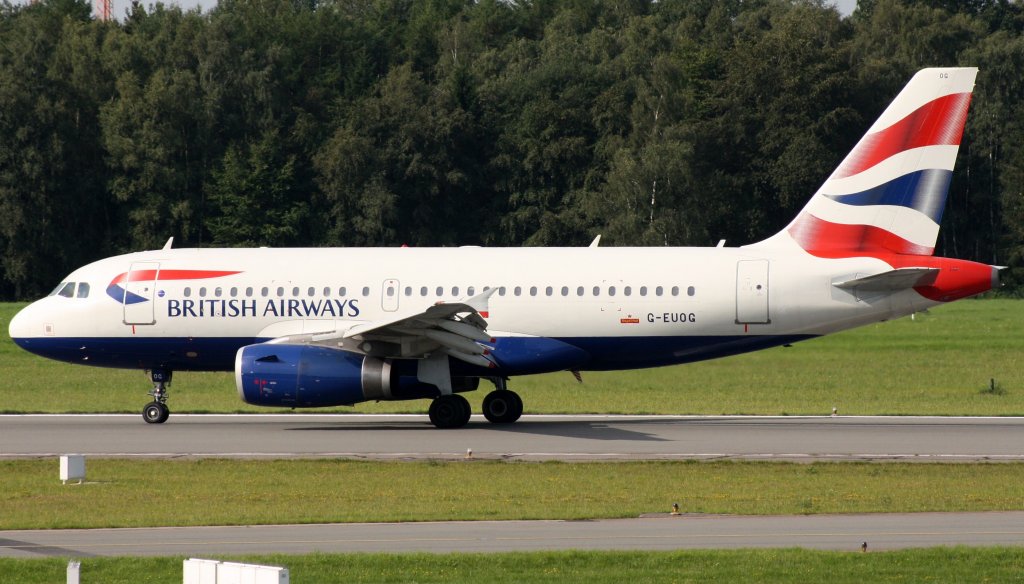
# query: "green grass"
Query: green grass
{"points": [[947, 565], [120, 493], [940, 362]]}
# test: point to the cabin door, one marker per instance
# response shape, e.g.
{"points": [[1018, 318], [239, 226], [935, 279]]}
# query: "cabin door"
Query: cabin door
{"points": [[139, 287]]}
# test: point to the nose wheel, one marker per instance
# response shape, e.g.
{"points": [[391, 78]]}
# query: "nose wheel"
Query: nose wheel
{"points": [[156, 411]]}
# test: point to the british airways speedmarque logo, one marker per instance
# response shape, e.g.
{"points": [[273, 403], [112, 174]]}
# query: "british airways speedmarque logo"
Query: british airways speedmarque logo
{"points": [[116, 291]]}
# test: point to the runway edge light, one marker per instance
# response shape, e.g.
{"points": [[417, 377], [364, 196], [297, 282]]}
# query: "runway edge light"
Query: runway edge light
{"points": [[72, 467]]}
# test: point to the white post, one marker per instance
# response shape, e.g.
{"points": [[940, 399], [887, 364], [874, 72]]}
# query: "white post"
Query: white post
{"points": [[73, 572], [72, 466]]}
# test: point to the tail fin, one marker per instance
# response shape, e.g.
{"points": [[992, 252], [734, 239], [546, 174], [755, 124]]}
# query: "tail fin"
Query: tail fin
{"points": [[888, 194]]}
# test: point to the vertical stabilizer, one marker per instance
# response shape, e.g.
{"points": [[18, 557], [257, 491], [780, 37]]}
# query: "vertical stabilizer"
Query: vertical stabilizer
{"points": [[888, 194]]}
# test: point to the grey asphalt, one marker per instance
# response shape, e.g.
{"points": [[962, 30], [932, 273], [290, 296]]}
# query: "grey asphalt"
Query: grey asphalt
{"points": [[832, 532], [533, 437]]}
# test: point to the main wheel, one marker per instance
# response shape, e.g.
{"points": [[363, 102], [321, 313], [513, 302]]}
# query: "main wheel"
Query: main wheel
{"points": [[449, 411], [155, 413], [502, 406]]}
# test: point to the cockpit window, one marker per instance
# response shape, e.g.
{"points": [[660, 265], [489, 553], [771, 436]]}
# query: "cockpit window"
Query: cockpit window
{"points": [[68, 291], [57, 289], [83, 290]]}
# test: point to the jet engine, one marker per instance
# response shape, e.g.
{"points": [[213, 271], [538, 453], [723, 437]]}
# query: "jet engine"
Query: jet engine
{"points": [[307, 376]]}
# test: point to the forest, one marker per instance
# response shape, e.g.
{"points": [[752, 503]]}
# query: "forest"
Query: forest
{"points": [[460, 122]]}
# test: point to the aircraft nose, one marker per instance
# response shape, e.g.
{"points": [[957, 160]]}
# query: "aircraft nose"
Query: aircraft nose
{"points": [[24, 324]]}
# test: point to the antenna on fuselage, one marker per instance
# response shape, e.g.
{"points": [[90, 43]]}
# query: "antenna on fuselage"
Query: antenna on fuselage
{"points": [[170, 241], [597, 240]]}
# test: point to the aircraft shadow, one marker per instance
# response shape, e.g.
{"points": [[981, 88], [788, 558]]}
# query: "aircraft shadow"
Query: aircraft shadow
{"points": [[586, 430]]}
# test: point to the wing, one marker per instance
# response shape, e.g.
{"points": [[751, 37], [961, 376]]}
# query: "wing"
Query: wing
{"points": [[457, 329]]}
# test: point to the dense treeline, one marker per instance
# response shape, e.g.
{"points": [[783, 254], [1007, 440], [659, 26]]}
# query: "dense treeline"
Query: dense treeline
{"points": [[497, 122]]}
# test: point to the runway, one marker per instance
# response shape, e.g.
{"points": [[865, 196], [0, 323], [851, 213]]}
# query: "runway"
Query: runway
{"points": [[532, 438], [831, 532]]}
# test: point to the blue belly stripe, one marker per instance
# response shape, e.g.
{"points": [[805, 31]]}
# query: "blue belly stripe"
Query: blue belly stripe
{"points": [[516, 355]]}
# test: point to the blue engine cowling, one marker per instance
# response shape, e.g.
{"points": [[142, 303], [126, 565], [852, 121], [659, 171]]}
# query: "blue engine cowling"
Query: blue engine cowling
{"points": [[309, 376]]}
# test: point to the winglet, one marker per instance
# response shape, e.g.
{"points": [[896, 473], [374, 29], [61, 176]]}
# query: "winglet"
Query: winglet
{"points": [[480, 302]]}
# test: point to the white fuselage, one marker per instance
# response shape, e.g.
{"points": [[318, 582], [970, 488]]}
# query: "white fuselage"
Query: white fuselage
{"points": [[626, 307]]}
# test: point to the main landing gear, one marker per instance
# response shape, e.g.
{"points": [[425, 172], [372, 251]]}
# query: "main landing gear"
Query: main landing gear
{"points": [[156, 411], [501, 406]]}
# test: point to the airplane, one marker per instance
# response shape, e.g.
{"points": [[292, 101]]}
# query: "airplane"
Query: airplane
{"points": [[312, 327]]}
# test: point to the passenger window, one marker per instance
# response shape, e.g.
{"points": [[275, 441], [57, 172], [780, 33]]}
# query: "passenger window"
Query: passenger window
{"points": [[341, 291], [611, 290], [327, 290], [217, 291], [455, 291], [597, 290], [391, 291], [627, 291], [295, 292], [643, 290], [83, 290], [691, 291], [234, 292], [658, 291], [311, 291], [501, 291], [248, 291], [440, 291], [471, 291], [423, 291], [548, 291], [533, 290], [518, 291], [565, 290], [408, 290], [202, 292], [580, 291], [264, 291], [366, 290], [280, 291], [188, 291], [675, 290]]}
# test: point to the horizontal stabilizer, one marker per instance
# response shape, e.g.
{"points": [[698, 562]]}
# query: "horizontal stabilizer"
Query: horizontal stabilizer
{"points": [[899, 279]]}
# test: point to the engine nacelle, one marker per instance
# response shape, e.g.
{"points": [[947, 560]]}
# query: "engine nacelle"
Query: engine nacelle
{"points": [[309, 376]]}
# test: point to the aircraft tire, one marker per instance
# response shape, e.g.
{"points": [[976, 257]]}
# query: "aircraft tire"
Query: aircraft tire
{"points": [[155, 413], [449, 411], [502, 406]]}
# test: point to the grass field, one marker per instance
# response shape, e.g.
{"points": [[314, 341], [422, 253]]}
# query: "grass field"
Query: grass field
{"points": [[940, 362], [230, 492], [946, 565]]}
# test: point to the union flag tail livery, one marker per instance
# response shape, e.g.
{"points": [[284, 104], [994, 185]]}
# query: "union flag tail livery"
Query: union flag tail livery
{"points": [[888, 194], [339, 326]]}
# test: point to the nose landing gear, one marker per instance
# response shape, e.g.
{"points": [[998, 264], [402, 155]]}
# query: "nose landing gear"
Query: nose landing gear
{"points": [[156, 411]]}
